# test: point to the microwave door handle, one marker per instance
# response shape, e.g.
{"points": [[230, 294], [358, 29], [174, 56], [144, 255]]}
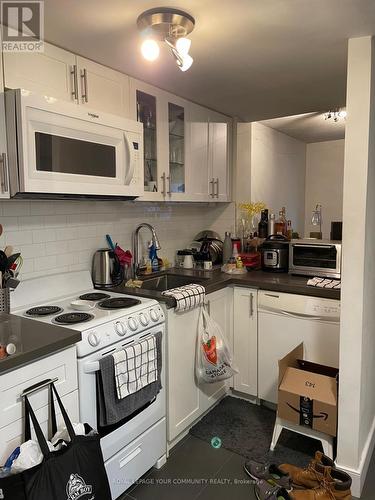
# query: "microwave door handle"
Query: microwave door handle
{"points": [[299, 245], [130, 174]]}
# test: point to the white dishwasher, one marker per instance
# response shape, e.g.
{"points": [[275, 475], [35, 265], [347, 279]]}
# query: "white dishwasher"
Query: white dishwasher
{"points": [[284, 321]]}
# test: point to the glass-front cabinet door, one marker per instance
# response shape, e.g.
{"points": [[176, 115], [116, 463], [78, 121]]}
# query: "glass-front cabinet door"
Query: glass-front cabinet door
{"points": [[146, 113], [176, 128], [147, 105]]}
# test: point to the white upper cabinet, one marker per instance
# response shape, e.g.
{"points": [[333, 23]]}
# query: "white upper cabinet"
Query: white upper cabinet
{"points": [[178, 116], [198, 184], [208, 174], [102, 88], [147, 105], [61, 74], [219, 162], [46, 73], [4, 177]]}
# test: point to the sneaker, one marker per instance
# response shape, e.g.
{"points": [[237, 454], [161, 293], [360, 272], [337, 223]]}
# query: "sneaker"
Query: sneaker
{"points": [[265, 491], [335, 485], [312, 475], [270, 473]]}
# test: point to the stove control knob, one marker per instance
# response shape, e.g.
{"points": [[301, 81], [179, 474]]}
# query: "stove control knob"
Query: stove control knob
{"points": [[155, 316], [93, 339], [132, 324], [143, 319], [120, 328]]}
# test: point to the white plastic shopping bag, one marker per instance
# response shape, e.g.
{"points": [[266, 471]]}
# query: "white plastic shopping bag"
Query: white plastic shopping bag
{"points": [[214, 360]]}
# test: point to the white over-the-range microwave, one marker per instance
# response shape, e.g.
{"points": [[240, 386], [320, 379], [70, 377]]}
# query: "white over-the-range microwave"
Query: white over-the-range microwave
{"points": [[58, 149]]}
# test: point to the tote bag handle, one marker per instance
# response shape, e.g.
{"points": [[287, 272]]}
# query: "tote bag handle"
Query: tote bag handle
{"points": [[29, 414]]}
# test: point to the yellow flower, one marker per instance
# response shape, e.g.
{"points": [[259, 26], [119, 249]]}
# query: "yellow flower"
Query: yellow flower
{"points": [[252, 208]]}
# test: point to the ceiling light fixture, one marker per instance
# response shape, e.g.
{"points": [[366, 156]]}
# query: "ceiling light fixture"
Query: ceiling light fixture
{"points": [[170, 26], [336, 114]]}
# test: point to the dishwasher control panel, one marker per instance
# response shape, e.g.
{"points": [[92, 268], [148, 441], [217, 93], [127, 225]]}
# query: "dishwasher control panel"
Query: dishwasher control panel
{"points": [[300, 306]]}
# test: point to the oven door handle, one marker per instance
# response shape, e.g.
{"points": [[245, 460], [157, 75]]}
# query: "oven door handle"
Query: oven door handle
{"points": [[91, 367]]}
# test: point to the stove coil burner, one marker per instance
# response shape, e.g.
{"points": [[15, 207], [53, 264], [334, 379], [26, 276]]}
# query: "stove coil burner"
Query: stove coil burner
{"points": [[43, 310], [118, 303], [94, 296], [72, 318]]}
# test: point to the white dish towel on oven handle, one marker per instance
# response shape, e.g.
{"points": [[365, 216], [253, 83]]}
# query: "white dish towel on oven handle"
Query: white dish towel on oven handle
{"points": [[214, 359], [136, 366]]}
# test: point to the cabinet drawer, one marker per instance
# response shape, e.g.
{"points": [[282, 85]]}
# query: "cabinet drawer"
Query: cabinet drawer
{"points": [[11, 435], [62, 365], [138, 457]]}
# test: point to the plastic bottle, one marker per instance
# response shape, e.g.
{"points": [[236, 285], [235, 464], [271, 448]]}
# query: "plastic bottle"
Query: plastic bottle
{"points": [[271, 224], [153, 257], [227, 248]]}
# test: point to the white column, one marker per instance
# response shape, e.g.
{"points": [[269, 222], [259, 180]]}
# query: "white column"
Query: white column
{"points": [[357, 334]]}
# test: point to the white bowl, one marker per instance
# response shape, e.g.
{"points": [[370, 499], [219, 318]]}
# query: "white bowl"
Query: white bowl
{"points": [[82, 305]]}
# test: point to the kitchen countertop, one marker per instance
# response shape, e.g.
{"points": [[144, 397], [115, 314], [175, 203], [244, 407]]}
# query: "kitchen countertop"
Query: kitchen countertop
{"points": [[34, 339], [278, 282]]}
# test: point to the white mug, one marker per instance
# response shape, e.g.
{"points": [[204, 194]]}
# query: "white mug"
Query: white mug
{"points": [[188, 262]]}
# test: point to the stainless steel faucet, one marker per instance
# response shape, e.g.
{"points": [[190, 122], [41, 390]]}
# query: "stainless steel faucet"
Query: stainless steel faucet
{"points": [[154, 239]]}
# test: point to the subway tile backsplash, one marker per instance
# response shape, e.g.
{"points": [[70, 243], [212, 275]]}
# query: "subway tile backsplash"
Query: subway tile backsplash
{"points": [[61, 236]]}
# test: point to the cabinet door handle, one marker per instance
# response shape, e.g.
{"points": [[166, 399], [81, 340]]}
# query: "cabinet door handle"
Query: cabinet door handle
{"points": [[163, 191], [217, 187], [251, 305], [208, 306], [84, 96], [169, 192], [211, 183], [73, 72], [4, 173]]}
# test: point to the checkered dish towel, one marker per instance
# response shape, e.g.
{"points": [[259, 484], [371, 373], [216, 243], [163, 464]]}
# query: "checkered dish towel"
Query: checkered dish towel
{"points": [[187, 296], [324, 283], [135, 366]]}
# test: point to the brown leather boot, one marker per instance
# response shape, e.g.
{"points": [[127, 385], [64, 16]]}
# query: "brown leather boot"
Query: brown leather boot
{"points": [[335, 485], [312, 475]]}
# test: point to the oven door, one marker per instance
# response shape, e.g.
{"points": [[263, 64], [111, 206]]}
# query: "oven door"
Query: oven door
{"points": [[315, 260], [67, 149], [124, 432]]}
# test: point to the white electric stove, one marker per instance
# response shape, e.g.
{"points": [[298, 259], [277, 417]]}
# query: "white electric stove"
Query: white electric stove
{"points": [[107, 323]]}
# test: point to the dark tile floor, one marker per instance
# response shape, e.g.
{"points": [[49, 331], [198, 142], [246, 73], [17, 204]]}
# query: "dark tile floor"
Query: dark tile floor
{"points": [[197, 471]]}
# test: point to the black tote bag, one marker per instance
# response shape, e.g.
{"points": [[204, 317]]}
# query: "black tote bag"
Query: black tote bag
{"points": [[76, 472]]}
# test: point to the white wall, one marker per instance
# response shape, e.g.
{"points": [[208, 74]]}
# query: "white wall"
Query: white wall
{"points": [[61, 236], [324, 183], [278, 172], [356, 429]]}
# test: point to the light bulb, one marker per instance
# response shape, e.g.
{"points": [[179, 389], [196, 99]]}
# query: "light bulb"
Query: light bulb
{"points": [[150, 50], [183, 46], [185, 63]]}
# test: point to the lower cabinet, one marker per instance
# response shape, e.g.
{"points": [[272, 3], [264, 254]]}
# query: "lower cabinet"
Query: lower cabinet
{"points": [[245, 326], [187, 400], [61, 365]]}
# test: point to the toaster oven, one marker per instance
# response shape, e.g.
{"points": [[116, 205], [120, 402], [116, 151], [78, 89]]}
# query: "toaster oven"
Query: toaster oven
{"points": [[315, 258]]}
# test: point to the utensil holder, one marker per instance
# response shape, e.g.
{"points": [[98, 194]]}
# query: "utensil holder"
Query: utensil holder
{"points": [[5, 300]]}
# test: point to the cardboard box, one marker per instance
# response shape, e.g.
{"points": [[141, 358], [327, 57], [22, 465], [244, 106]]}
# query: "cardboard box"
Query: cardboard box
{"points": [[307, 393]]}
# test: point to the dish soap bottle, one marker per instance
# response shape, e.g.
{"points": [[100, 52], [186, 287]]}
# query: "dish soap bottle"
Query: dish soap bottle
{"points": [[153, 257]]}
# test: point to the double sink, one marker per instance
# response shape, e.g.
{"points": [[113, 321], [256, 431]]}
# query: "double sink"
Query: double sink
{"points": [[168, 281]]}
